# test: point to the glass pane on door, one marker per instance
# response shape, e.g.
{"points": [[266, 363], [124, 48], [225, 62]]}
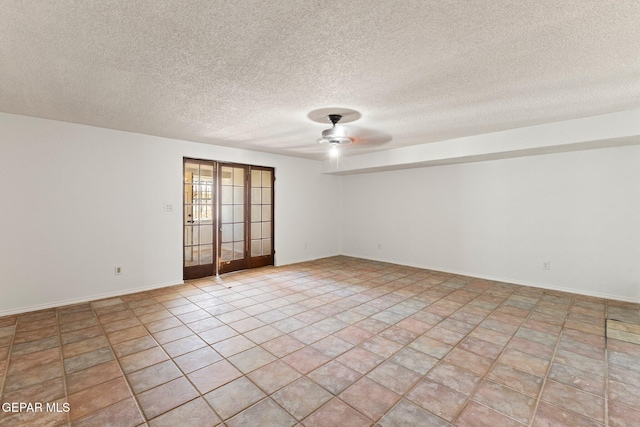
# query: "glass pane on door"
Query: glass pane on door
{"points": [[232, 201], [199, 198], [261, 207]]}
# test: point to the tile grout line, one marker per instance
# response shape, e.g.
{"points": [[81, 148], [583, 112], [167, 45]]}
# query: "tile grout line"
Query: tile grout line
{"points": [[244, 375], [439, 360], [268, 395], [511, 292], [502, 304], [553, 356], [309, 345], [115, 358], [364, 375], [334, 396], [64, 370], [10, 351], [604, 397], [484, 377], [184, 374], [443, 297], [392, 325]]}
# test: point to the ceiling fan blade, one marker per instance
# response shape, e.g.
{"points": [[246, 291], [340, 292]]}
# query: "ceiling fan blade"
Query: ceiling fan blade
{"points": [[369, 137]]}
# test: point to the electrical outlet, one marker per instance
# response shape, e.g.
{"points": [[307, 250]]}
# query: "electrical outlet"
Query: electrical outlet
{"points": [[305, 246], [379, 245], [546, 265], [118, 271], [168, 207]]}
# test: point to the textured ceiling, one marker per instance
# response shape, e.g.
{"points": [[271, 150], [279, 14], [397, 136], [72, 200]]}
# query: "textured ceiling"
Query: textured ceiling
{"points": [[247, 73]]}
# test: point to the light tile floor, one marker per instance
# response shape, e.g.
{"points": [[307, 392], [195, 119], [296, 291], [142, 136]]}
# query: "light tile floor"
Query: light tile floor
{"points": [[334, 342]]}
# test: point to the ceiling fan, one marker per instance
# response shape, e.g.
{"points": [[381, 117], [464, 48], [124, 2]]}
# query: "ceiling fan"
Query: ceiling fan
{"points": [[335, 135]]}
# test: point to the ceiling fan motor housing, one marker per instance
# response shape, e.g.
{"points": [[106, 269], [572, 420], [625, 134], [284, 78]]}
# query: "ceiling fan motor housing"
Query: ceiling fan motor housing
{"points": [[335, 135]]}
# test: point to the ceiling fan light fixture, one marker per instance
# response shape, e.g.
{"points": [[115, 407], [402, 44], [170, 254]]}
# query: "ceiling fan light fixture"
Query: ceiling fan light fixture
{"points": [[335, 135]]}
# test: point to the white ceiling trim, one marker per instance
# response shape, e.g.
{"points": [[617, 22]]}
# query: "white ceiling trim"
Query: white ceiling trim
{"points": [[602, 131]]}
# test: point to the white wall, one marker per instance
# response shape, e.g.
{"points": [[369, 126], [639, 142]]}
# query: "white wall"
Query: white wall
{"points": [[501, 219], [76, 201], [79, 200]]}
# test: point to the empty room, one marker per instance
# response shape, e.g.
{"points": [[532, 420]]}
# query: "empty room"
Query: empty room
{"points": [[314, 213]]}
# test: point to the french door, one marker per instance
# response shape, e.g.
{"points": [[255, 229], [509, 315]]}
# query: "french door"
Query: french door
{"points": [[228, 217], [261, 217], [199, 218]]}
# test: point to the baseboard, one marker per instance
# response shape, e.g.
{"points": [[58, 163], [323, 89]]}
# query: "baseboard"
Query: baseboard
{"points": [[63, 303], [506, 280], [74, 301], [305, 259]]}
